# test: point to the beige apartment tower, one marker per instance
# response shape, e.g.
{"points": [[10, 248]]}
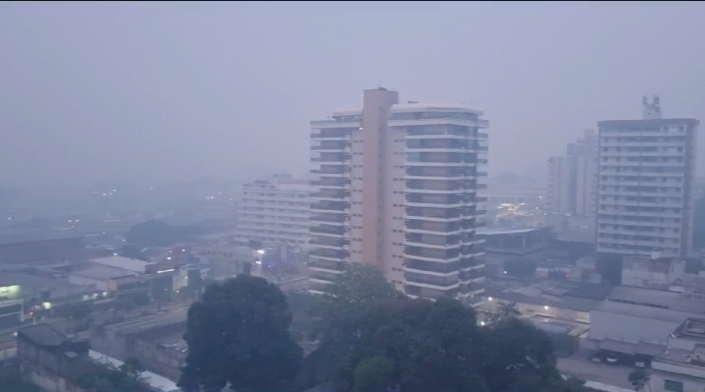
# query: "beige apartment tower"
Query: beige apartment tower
{"points": [[395, 186]]}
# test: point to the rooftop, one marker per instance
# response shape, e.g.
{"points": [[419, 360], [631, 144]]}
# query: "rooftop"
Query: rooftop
{"points": [[646, 312], [659, 121], [30, 283], [126, 263], [147, 323], [42, 335], [657, 298], [104, 272]]}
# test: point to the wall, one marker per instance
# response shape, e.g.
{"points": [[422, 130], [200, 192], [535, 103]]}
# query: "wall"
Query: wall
{"points": [[689, 384], [99, 284]]}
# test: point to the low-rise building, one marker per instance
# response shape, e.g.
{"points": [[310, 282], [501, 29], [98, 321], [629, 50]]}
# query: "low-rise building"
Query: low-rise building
{"points": [[41, 246], [151, 339], [47, 356], [636, 323], [681, 367]]}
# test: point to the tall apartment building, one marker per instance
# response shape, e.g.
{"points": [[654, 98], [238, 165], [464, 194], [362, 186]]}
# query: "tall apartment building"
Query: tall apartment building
{"points": [[275, 211], [572, 178], [646, 174], [395, 186]]}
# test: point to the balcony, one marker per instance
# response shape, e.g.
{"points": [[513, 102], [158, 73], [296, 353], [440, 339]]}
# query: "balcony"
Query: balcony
{"points": [[432, 240], [417, 252], [332, 170], [330, 218], [472, 288], [434, 227], [329, 242], [330, 253], [437, 213], [331, 145], [440, 144], [443, 158], [433, 293], [431, 280], [331, 194], [323, 275], [329, 230], [473, 274], [326, 264], [439, 186], [328, 182], [440, 200], [339, 206]]}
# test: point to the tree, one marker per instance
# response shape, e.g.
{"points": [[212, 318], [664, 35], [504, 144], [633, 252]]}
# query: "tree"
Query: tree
{"points": [[506, 310], [639, 379], [519, 351], [416, 346], [374, 375], [238, 334], [352, 294], [131, 370]]}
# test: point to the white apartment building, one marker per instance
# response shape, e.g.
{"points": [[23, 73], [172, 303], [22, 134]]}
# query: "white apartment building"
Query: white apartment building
{"points": [[572, 178], [645, 188], [395, 186], [275, 211]]}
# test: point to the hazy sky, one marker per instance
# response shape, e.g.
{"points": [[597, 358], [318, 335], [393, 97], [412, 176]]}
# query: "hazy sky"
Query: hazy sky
{"points": [[177, 91]]}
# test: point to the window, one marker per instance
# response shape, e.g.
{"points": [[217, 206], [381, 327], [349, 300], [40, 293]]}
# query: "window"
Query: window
{"points": [[674, 386]]}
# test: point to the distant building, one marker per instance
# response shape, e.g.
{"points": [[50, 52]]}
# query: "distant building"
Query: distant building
{"points": [[646, 175], [655, 273], [275, 211], [40, 247], [572, 178]]}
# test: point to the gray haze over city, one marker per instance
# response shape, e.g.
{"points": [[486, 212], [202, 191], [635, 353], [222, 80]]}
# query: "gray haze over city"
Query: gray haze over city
{"points": [[151, 92]]}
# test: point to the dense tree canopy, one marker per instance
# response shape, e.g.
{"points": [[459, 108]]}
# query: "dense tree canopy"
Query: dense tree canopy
{"points": [[392, 343], [238, 334]]}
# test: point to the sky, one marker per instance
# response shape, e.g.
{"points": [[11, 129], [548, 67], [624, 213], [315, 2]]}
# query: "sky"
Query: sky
{"points": [[176, 91]]}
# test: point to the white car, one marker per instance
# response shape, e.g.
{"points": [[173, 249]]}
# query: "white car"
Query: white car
{"points": [[612, 360]]}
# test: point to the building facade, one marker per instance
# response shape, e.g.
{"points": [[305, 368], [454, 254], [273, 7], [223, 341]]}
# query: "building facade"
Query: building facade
{"points": [[396, 186], [646, 174], [572, 178], [275, 211]]}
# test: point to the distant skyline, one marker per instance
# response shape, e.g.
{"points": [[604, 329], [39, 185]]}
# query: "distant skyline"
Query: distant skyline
{"points": [[159, 92]]}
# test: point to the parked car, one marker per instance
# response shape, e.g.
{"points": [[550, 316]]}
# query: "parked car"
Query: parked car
{"points": [[596, 359], [612, 360], [640, 365]]}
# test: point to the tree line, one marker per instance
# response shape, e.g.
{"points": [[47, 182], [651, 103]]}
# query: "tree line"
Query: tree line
{"points": [[376, 340]]}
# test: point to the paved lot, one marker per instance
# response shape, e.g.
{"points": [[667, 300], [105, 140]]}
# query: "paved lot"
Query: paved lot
{"points": [[581, 365]]}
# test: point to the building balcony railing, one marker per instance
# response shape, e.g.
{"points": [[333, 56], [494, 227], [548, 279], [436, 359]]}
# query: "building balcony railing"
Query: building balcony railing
{"points": [[326, 264], [335, 230]]}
